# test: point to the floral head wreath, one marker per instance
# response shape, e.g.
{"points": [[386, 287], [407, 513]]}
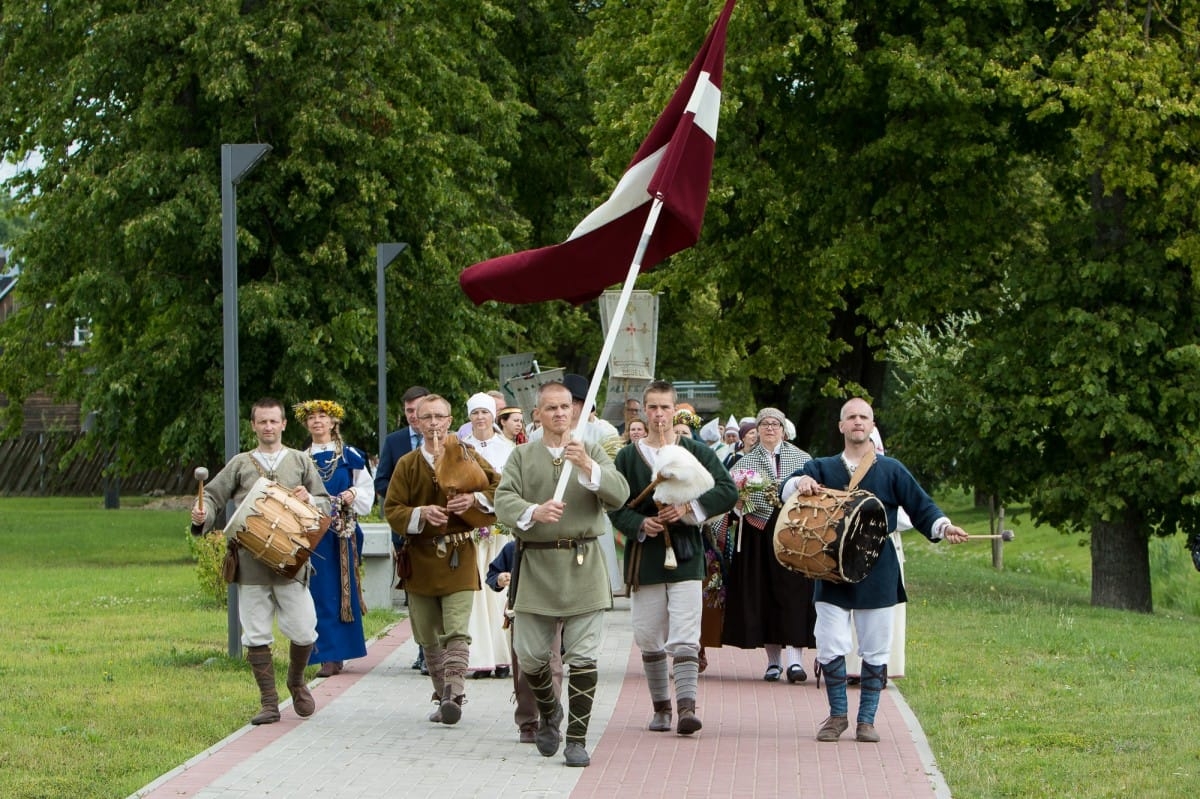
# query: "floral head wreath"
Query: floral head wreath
{"points": [[303, 410], [687, 417]]}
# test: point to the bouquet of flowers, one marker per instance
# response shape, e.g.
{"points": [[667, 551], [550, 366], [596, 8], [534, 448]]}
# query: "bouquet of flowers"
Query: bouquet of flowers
{"points": [[749, 482], [482, 534]]}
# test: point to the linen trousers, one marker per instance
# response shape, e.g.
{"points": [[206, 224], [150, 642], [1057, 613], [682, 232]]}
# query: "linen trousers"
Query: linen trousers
{"points": [[259, 606], [438, 619], [873, 626], [666, 617]]}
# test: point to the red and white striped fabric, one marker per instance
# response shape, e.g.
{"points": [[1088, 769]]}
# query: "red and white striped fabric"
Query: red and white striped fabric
{"points": [[673, 164]]}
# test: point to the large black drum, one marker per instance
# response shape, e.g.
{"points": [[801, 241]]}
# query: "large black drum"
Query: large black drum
{"points": [[831, 535]]}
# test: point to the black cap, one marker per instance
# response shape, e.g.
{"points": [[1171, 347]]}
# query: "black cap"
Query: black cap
{"points": [[577, 385]]}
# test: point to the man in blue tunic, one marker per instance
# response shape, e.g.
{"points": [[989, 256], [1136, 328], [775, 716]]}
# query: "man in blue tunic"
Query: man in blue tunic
{"points": [[873, 599]]}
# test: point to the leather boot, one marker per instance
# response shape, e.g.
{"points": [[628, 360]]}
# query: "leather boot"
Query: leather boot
{"points": [[874, 678], [263, 667], [302, 700], [689, 722], [662, 717], [834, 673]]}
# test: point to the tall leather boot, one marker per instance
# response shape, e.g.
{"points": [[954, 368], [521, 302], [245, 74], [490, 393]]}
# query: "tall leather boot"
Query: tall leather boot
{"points": [[302, 700], [874, 678], [263, 667], [654, 664], [455, 658], [687, 671], [834, 673]]}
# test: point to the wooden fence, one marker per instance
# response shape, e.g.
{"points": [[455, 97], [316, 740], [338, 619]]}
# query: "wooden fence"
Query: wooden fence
{"points": [[29, 466]]}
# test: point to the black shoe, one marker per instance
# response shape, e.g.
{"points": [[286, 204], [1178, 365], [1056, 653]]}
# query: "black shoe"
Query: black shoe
{"points": [[502, 672], [479, 675], [796, 673], [774, 672]]}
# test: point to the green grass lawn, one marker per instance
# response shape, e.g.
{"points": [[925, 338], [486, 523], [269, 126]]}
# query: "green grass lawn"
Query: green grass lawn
{"points": [[116, 672], [116, 668], [1025, 690]]}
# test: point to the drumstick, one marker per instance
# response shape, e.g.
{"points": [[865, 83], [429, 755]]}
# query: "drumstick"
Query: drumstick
{"points": [[1006, 535], [201, 475]]}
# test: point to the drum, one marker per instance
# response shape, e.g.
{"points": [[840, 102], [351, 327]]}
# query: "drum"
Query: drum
{"points": [[279, 530], [832, 535]]}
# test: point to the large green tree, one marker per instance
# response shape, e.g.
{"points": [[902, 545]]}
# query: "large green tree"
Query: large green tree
{"points": [[1080, 390], [865, 175], [388, 122]]}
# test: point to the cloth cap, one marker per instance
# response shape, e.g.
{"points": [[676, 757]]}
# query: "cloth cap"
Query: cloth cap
{"points": [[771, 413], [731, 425], [577, 385], [481, 401], [745, 427], [711, 432]]}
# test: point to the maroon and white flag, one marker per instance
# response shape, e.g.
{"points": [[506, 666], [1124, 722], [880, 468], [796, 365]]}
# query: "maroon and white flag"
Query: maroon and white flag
{"points": [[674, 165]]}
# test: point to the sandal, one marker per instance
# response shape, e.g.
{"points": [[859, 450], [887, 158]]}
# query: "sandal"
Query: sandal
{"points": [[774, 672]]}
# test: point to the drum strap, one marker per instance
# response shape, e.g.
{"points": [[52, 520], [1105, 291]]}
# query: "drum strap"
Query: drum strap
{"points": [[864, 466]]}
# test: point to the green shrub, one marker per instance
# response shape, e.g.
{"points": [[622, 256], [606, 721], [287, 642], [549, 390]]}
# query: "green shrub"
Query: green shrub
{"points": [[209, 553]]}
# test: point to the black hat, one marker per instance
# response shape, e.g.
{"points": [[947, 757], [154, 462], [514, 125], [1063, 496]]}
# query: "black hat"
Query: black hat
{"points": [[577, 385]]}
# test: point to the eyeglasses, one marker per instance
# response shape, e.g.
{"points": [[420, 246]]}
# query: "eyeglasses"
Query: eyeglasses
{"points": [[431, 416], [770, 424]]}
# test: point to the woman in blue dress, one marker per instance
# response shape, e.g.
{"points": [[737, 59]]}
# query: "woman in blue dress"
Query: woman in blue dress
{"points": [[335, 585]]}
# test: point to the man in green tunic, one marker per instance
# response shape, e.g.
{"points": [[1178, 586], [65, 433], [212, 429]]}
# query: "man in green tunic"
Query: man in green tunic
{"points": [[560, 575]]}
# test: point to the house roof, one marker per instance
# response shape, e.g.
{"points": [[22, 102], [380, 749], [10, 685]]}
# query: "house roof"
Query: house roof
{"points": [[6, 284]]}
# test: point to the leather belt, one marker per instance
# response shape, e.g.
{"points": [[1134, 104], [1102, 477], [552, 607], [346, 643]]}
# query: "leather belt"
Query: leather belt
{"points": [[561, 543]]}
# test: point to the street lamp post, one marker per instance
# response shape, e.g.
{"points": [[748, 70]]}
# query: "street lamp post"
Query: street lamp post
{"points": [[384, 255], [236, 162]]}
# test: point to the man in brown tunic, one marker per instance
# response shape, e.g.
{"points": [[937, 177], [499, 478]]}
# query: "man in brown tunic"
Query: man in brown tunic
{"points": [[442, 546]]}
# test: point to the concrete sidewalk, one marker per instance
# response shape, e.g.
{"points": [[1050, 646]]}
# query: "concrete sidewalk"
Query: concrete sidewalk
{"points": [[370, 737]]}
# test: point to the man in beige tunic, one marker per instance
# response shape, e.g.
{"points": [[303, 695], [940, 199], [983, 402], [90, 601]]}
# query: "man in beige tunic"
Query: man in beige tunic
{"points": [[441, 544], [560, 575], [265, 596]]}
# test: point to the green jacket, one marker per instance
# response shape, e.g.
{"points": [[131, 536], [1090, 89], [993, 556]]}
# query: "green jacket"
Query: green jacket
{"points": [[648, 556]]}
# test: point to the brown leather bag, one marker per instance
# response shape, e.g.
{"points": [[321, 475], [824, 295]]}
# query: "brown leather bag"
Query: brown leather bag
{"points": [[404, 568], [229, 568]]}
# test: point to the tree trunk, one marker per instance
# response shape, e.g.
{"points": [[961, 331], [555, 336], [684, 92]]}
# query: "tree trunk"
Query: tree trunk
{"points": [[1121, 566]]}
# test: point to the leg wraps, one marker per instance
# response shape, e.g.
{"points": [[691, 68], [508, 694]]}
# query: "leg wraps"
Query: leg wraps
{"points": [[834, 673], [433, 662], [655, 666], [581, 690], [541, 683], [455, 658], [687, 671], [263, 668], [873, 679], [302, 701]]}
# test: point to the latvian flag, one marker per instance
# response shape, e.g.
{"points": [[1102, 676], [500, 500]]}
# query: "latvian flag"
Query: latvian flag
{"points": [[673, 164]]}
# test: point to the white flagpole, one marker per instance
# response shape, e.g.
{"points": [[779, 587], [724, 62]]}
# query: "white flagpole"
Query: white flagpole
{"points": [[610, 340]]}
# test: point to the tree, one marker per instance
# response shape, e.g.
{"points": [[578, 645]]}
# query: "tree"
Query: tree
{"points": [[388, 123], [1080, 389], [864, 176]]}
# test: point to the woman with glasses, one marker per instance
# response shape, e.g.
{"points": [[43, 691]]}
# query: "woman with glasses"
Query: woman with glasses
{"points": [[766, 605]]}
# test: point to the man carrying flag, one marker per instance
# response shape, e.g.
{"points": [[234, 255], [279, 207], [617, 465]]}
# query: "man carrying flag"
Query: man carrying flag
{"points": [[668, 176]]}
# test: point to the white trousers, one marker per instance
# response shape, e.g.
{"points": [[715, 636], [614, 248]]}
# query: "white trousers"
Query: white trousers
{"points": [[260, 605], [666, 617], [874, 629]]}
